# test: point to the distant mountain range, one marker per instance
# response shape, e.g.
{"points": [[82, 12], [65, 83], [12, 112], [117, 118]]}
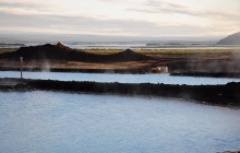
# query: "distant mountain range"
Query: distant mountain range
{"points": [[38, 39], [233, 39]]}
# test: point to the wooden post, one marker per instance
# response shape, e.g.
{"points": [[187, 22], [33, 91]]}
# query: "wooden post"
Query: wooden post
{"points": [[21, 61]]}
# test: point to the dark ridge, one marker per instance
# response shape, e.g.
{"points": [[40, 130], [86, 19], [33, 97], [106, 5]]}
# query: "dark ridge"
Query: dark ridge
{"points": [[208, 74], [224, 95], [233, 39], [46, 51], [128, 55], [61, 52], [61, 46]]}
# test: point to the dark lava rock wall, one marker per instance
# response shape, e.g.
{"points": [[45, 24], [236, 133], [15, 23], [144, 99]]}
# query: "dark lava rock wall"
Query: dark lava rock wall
{"points": [[228, 94]]}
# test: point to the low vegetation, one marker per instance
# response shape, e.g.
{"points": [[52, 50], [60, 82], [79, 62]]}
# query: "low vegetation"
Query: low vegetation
{"points": [[163, 51], [146, 51], [102, 51], [185, 51], [7, 50]]}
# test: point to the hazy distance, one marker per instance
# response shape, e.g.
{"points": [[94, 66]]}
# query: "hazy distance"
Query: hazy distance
{"points": [[105, 20], [53, 38]]}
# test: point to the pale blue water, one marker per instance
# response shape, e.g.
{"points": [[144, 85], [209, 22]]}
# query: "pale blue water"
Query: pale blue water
{"points": [[121, 78], [53, 122]]}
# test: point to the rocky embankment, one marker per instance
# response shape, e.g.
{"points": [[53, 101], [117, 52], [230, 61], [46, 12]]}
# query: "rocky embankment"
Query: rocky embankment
{"points": [[230, 152], [228, 94], [208, 74]]}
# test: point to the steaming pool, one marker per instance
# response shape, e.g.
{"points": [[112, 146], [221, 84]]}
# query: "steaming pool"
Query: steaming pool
{"points": [[55, 122], [121, 78]]}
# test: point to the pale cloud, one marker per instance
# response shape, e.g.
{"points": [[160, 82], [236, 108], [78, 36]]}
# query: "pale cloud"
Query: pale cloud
{"points": [[78, 24], [24, 5], [84, 25], [121, 17], [163, 6], [114, 1], [204, 13]]}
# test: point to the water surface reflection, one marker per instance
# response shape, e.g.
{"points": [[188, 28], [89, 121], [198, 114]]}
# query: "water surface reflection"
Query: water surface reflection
{"points": [[121, 78], [63, 122]]}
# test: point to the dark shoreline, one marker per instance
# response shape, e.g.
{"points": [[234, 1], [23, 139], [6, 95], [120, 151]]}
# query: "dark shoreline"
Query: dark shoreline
{"points": [[208, 74], [224, 95]]}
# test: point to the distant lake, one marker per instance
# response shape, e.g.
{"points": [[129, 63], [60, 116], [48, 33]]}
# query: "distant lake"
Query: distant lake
{"points": [[121, 78], [55, 122]]}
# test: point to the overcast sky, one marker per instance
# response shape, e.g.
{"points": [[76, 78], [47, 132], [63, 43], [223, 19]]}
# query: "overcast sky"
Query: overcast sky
{"points": [[121, 17]]}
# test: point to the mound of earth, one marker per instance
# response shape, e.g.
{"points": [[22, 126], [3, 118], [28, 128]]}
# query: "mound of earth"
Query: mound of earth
{"points": [[61, 52], [127, 55], [47, 51], [233, 39]]}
